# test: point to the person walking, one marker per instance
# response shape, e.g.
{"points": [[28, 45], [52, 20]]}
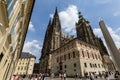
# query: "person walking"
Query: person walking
{"points": [[43, 76], [91, 76], [64, 75]]}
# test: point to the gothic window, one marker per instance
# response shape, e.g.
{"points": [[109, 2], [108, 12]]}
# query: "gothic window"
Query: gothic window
{"points": [[57, 59], [56, 42], [1, 56], [73, 54], [75, 64], [65, 66], [65, 57], [69, 56]]}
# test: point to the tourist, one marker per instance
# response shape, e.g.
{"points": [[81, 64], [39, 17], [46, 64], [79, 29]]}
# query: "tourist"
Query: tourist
{"points": [[16, 77], [64, 75], [91, 76]]}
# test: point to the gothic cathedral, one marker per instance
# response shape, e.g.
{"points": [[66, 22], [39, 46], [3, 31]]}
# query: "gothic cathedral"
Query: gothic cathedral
{"points": [[55, 40]]}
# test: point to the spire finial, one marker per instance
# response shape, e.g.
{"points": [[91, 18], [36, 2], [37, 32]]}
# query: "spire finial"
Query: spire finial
{"points": [[56, 12]]}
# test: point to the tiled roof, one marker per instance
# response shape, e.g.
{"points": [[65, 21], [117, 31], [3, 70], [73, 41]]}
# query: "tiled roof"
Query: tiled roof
{"points": [[27, 55]]}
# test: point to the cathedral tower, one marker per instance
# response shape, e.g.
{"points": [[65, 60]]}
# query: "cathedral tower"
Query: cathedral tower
{"points": [[85, 33], [52, 38], [56, 34], [84, 30]]}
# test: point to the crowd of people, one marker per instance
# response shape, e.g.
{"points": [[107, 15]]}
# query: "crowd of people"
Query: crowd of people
{"points": [[63, 76], [104, 75]]}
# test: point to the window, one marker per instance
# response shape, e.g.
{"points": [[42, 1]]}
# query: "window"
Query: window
{"points": [[65, 57], [25, 68], [83, 54], [102, 65], [85, 64], [1, 56], [99, 65], [73, 54], [75, 65], [69, 56], [21, 68], [65, 66], [92, 55], [57, 59], [88, 54], [90, 65], [95, 65], [10, 5], [96, 56]]}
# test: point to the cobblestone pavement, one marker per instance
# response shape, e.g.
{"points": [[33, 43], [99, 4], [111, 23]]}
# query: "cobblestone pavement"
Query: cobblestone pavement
{"points": [[48, 78]]}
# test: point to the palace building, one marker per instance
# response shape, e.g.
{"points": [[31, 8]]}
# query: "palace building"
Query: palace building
{"points": [[25, 64], [65, 53], [14, 20]]}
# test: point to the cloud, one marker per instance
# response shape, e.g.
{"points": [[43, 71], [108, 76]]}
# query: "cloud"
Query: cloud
{"points": [[33, 47], [68, 18], [114, 33], [51, 16], [31, 27], [116, 13]]}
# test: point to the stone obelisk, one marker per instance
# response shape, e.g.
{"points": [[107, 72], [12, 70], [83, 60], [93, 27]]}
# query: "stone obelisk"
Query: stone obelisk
{"points": [[111, 45]]}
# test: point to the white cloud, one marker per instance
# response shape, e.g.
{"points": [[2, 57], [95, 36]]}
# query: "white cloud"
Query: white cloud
{"points": [[33, 47], [31, 27], [68, 18], [114, 33], [51, 15]]}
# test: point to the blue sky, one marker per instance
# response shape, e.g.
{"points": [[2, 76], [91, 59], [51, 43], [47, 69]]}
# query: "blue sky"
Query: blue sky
{"points": [[92, 10]]}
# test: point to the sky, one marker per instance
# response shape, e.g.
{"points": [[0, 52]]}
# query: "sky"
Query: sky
{"points": [[92, 10]]}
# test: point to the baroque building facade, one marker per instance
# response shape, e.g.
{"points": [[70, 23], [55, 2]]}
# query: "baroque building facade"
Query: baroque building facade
{"points": [[65, 53], [14, 20], [25, 64]]}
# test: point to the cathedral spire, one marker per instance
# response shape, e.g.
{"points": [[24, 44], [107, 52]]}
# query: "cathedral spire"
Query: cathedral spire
{"points": [[81, 18], [49, 22], [56, 12]]}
